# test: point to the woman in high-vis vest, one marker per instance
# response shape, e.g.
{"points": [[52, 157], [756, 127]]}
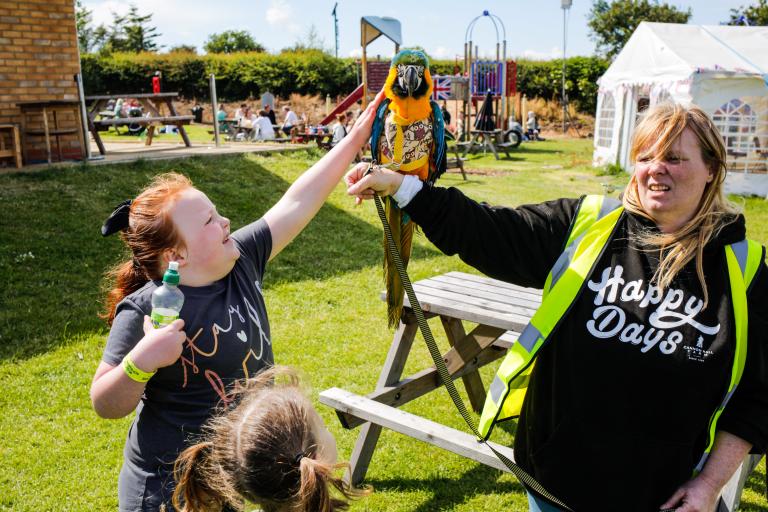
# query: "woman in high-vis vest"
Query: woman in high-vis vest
{"points": [[641, 382]]}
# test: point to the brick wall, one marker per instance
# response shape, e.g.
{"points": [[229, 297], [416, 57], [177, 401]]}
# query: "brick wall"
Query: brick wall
{"points": [[38, 60]]}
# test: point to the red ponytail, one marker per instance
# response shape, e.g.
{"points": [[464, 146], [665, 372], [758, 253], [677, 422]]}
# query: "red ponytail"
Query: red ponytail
{"points": [[151, 231]]}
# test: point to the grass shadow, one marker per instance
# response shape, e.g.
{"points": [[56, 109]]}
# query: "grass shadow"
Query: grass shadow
{"points": [[53, 257], [450, 492]]}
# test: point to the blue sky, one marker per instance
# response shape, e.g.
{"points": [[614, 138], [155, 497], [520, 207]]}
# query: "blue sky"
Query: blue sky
{"points": [[534, 28]]}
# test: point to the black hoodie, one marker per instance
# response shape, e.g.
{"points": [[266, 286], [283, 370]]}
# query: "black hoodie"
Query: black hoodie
{"points": [[618, 406]]}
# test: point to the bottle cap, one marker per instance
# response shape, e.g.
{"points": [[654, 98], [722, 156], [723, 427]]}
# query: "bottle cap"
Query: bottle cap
{"points": [[172, 274]]}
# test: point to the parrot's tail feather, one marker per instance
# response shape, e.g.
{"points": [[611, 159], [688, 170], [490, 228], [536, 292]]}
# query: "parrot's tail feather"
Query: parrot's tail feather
{"points": [[403, 236]]}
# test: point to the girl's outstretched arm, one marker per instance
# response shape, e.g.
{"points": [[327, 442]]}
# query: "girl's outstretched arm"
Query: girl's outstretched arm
{"points": [[307, 194]]}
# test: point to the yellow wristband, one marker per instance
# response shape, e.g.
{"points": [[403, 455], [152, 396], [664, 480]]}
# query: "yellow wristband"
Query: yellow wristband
{"points": [[134, 372]]}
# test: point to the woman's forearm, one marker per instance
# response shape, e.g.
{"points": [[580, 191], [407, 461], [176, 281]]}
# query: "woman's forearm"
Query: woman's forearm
{"points": [[724, 459]]}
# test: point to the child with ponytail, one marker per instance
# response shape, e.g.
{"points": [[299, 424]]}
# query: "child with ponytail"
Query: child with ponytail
{"points": [[271, 449], [174, 376]]}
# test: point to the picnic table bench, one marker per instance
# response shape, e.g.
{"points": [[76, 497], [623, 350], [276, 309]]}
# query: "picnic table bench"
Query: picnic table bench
{"points": [[487, 140], [501, 311], [151, 103]]}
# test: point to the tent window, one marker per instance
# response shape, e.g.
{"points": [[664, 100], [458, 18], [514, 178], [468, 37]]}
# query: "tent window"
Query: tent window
{"points": [[743, 134], [605, 124]]}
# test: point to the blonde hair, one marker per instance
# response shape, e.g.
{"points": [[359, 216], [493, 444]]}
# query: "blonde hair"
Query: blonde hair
{"points": [[659, 129], [263, 451]]}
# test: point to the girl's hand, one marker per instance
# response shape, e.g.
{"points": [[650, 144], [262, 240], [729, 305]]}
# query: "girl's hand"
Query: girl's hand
{"points": [[379, 181], [361, 131], [159, 347], [696, 495]]}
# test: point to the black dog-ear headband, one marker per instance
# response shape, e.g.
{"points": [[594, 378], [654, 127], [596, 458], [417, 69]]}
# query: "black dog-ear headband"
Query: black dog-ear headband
{"points": [[118, 219]]}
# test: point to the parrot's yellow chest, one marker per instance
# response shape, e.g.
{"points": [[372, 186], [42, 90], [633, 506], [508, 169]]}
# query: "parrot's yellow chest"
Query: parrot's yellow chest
{"points": [[406, 144]]}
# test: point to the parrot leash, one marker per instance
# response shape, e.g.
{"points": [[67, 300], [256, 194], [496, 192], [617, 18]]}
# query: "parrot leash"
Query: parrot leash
{"points": [[528, 481]]}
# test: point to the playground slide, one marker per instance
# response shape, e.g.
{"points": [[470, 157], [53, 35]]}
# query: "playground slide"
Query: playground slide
{"points": [[344, 105]]}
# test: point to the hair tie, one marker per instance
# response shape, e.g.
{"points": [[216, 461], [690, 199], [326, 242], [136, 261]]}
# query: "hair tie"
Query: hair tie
{"points": [[298, 457], [118, 219]]}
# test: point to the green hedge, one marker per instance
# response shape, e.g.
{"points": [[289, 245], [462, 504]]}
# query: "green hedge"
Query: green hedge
{"points": [[239, 76]]}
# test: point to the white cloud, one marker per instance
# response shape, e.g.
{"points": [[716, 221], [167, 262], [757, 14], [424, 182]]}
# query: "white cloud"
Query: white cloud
{"points": [[356, 53], [441, 52], [554, 53], [279, 13]]}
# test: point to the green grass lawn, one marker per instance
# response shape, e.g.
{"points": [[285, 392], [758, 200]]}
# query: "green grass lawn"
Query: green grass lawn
{"points": [[322, 294]]}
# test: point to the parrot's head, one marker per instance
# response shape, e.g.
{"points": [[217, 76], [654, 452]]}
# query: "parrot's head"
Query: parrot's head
{"points": [[409, 75]]}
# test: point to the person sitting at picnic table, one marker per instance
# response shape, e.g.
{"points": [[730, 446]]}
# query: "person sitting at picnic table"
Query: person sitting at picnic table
{"points": [[532, 126], [289, 120], [339, 129], [270, 113], [650, 382], [240, 111], [262, 127]]}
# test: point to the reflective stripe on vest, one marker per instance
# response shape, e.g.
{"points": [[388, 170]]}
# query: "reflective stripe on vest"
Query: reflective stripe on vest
{"points": [[585, 245], [743, 261], [592, 227]]}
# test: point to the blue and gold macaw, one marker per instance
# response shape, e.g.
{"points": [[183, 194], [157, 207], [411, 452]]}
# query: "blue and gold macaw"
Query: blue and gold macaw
{"points": [[408, 136]]}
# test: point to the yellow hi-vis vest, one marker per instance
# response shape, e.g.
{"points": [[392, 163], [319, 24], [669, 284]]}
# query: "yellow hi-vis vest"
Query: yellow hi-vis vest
{"points": [[595, 222]]}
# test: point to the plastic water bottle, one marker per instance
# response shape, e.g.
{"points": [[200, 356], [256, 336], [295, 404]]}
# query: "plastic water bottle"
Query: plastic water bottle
{"points": [[167, 299]]}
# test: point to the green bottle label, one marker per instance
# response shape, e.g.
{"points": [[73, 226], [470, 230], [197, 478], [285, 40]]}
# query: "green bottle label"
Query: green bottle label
{"points": [[163, 316]]}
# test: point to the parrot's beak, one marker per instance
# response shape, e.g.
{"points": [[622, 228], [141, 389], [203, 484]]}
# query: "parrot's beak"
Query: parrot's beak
{"points": [[410, 81]]}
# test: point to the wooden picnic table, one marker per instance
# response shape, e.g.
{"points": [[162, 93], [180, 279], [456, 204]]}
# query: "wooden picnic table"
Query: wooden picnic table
{"points": [[322, 139], [151, 103], [501, 311], [50, 112], [487, 140]]}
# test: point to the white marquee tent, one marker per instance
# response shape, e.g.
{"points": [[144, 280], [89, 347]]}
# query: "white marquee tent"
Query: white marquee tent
{"points": [[722, 69]]}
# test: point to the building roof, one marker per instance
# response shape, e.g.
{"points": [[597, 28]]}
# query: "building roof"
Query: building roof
{"points": [[668, 52]]}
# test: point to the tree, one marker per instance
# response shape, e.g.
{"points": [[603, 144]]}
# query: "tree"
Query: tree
{"points": [[311, 42], [612, 24], [130, 32], [139, 35], [85, 33], [232, 41], [753, 14]]}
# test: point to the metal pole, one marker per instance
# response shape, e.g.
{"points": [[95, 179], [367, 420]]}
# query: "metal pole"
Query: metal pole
{"points": [[504, 102], [83, 117], [565, 4], [365, 64], [215, 105]]}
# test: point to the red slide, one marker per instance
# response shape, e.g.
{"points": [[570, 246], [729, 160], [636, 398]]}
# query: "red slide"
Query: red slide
{"points": [[344, 105]]}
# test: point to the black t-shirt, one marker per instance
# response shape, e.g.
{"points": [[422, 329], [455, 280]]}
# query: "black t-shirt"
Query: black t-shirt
{"points": [[619, 401], [227, 335]]}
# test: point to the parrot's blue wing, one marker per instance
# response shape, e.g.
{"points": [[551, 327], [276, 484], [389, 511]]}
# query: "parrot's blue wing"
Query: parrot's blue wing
{"points": [[441, 148], [378, 129]]}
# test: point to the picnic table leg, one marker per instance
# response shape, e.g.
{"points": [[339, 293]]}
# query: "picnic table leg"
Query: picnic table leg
{"points": [[455, 332], [47, 134], [491, 145], [182, 131], [390, 374], [95, 109], [150, 134]]}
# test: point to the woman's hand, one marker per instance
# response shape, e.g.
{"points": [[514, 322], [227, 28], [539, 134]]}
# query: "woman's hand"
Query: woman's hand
{"points": [[361, 131], [159, 347], [696, 495], [379, 181]]}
